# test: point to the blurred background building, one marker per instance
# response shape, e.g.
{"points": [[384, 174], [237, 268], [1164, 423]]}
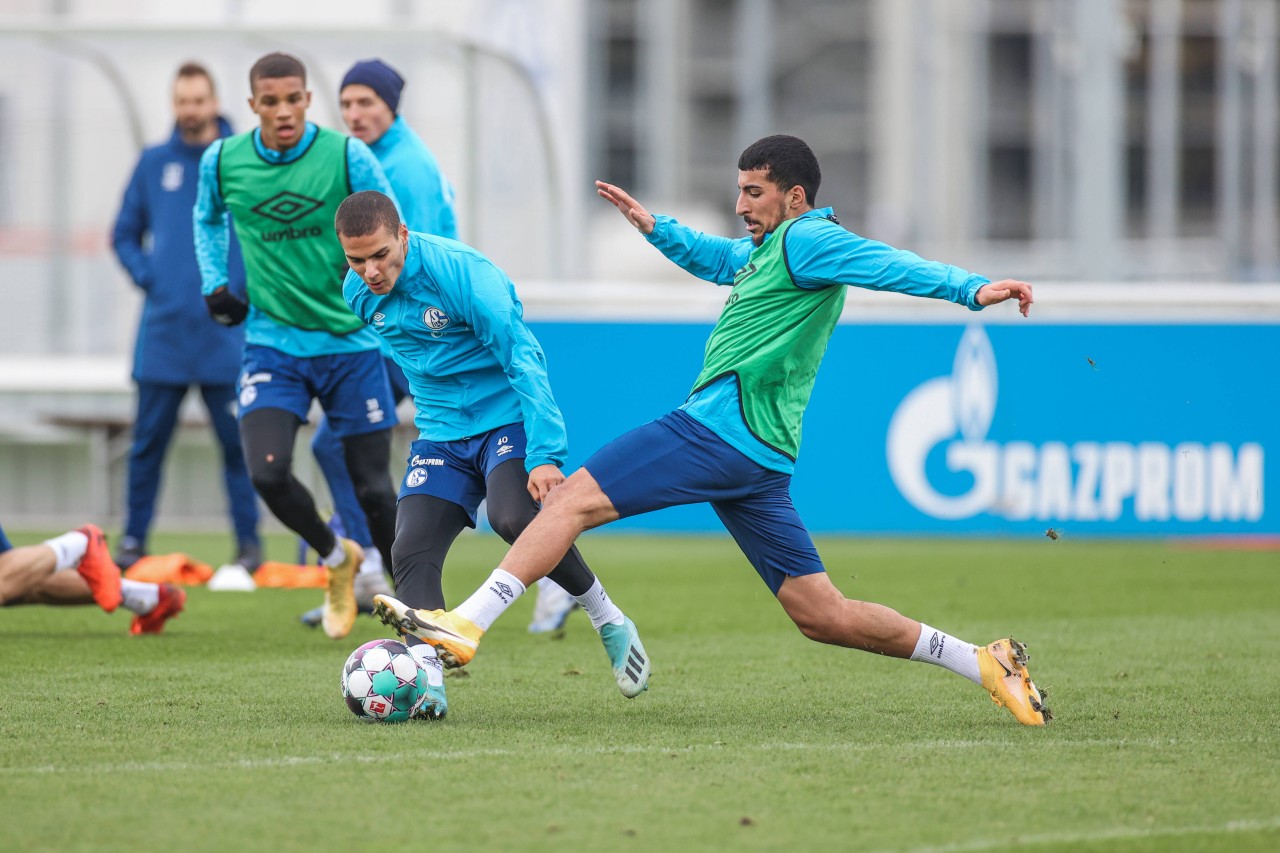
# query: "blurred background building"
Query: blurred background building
{"points": [[1067, 139], [1061, 141]]}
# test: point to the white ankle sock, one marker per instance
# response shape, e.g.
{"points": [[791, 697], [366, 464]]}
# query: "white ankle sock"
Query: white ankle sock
{"points": [[372, 564], [946, 651], [139, 597], [335, 557], [68, 549], [425, 655], [488, 602], [600, 608]]}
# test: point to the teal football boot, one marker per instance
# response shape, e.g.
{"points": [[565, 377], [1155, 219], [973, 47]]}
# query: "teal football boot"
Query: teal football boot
{"points": [[626, 654]]}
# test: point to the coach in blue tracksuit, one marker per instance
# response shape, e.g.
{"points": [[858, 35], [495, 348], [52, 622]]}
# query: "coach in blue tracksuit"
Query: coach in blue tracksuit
{"points": [[177, 344]]}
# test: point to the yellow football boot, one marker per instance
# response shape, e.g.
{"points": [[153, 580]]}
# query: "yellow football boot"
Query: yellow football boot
{"points": [[340, 595], [454, 637], [1003, 665]]}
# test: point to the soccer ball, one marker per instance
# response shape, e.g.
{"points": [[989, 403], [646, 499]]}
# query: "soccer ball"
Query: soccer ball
{"points": [[381, 681]]}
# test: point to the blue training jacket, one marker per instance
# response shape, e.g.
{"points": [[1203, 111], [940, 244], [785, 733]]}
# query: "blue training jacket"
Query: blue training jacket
{"points": [[819, 253], [211, 221], [457, 328], [177, 342], [426, 197]]}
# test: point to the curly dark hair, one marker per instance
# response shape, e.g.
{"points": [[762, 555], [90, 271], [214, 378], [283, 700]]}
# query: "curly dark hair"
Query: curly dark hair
{"points": [[788, 161]]}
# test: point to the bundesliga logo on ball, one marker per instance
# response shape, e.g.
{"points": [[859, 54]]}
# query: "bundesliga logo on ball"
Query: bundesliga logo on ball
{"points": [[381, 681]]}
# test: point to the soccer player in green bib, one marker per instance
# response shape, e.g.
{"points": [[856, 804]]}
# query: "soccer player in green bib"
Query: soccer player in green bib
{"points": [[282, 183], [733, 443]]}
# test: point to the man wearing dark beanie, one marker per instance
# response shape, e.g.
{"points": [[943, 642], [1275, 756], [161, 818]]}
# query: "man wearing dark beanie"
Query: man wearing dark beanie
{"points": [[370, 98]]}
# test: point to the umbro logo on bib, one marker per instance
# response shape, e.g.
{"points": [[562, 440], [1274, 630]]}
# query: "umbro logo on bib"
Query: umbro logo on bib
{"points": [[287, 207]]}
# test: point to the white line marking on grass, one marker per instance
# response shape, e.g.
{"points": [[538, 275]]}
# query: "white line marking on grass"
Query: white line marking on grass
{"points": [[1117, 833], [570, 750]]}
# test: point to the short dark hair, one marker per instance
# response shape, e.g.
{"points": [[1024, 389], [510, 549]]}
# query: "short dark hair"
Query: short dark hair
{"points": [[788, 161], [273, 66], [363, 213], [195, 69]]}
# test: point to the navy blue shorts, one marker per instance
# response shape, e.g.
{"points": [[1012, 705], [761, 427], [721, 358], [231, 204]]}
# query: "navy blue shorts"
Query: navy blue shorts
{"points": [[456, 470], [352, 388], [5, 544], [676, 460]]}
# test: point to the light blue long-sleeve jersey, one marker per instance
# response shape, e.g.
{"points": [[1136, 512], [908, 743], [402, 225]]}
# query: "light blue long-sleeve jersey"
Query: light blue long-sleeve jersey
{"points": [[425, 195], [211, 224], [457, 328], [819, 253]]}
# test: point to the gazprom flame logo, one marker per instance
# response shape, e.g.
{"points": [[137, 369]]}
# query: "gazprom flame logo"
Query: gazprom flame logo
{"points": [[964, 403], [1092, 480]]}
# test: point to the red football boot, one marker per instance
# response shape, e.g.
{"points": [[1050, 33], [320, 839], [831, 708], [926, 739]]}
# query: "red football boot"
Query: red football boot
{"points": [[99, 570], [172, 600]]}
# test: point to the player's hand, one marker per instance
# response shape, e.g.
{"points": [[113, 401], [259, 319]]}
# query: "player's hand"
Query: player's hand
{"points": [[542, 479], [225, 307], [999, 291], [630, 208]]}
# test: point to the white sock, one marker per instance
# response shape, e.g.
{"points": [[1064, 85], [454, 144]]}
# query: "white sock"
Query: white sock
{"points": [[372, 564], [600, 608], [336, 556], [68, 549], [488, 602], [139, 597], [946, 651], [425, 655]]}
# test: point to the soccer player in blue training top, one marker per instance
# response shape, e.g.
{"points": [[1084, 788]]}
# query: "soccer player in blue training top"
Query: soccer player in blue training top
{"points": [[282, 183], [369, 97], [733, 443], [488, 425], [75, 568]]}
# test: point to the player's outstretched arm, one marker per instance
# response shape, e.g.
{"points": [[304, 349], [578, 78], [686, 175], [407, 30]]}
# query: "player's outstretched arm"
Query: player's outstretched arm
{"points": [[711, 258], [999, 291], [630, 208]]}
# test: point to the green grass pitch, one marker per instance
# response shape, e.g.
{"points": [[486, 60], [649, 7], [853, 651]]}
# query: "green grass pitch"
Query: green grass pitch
{"points": [[227, 732]]}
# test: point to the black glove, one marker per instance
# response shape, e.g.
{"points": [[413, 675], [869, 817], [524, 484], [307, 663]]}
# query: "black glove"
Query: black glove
{"points": [[226, 308]]}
